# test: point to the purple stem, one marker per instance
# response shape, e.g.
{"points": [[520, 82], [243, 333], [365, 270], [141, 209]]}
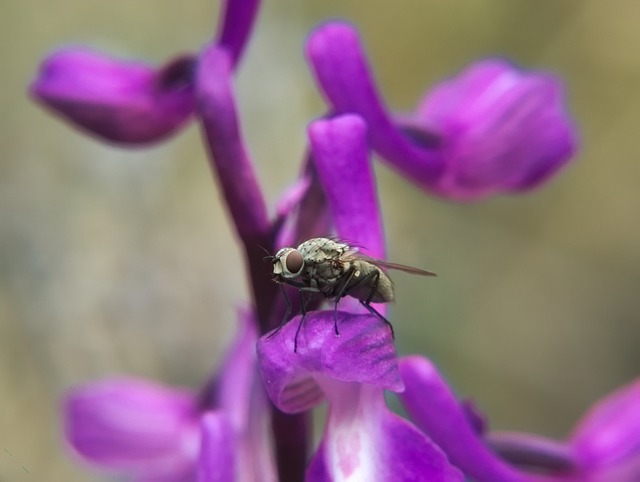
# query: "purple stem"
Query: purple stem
{"points": [[236, 25], [236, 178], [234, 171]]}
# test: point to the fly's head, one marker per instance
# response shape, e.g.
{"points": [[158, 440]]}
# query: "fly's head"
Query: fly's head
{"points": [[288, 264]]}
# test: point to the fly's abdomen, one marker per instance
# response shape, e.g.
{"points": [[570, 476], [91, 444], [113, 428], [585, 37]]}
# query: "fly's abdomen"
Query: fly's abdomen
{"points": [[370, 283]]}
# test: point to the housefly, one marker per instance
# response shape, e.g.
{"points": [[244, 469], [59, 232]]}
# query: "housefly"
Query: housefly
{"points": [[335, 270]]}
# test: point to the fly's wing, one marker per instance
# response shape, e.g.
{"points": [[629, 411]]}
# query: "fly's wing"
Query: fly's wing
{"points": [[386, 264]]}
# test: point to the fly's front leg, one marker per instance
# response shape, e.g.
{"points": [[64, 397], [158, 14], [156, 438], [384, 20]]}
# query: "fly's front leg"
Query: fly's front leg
{"points": [[303, 312], [286, 313]]}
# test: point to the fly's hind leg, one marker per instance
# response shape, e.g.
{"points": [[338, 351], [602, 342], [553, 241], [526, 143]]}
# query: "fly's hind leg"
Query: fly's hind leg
{"points": [[375, 276], [376, 313]]}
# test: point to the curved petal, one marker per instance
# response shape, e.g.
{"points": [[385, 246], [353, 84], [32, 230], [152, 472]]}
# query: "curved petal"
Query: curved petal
{"points": [[133, 425], [340, 151], [125, 102], [341, 70], [363, 352], [436, 411], [363, 440]]}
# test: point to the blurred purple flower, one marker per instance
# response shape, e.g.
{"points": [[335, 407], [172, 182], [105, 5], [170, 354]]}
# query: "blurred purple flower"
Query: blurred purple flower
{"points": [[156, 433], [130, 102], [501, 130], [120, 101], [134, 426], [494, 129], [363, 440], [605, 447]]}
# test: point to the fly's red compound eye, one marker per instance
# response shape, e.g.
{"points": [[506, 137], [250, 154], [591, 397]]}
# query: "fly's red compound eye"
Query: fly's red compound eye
{"points": [[294, 262]]}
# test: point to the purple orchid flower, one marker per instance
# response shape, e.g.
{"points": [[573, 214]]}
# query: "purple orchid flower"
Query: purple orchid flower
{"points": [[130, 102], [493, 129], [604, 447], [156, 433], [363, 440]]}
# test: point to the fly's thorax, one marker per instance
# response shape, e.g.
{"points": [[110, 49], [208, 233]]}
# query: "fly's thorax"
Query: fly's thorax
{"points": [[319, 250], [371, 283]]}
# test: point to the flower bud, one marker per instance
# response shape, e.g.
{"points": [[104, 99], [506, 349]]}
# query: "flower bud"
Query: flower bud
{"points": [[120, 101]]}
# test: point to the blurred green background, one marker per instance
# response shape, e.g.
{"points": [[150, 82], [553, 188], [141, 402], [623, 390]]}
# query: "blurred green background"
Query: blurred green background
{"points": [[120, 261]]}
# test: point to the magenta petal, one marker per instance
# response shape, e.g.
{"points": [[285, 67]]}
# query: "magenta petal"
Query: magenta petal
{"points": [[363, 440], [340, 152], [610, 432], [238, 373], [133, 425], [363, 353], [239, 395], [436, 411], [501, 129], [121, 101], [217, 452], [341, 70]]}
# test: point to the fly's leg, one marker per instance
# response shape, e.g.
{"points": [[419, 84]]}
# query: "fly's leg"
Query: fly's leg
{"points": [[287, 312], [303, 312], [341, 293], [375, 275], [375, 312]]}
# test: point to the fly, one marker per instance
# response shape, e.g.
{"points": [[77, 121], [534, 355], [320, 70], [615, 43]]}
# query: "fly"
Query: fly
{"points": [[335, 270]]}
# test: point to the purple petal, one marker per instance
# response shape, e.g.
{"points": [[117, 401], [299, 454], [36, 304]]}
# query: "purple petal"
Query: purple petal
{"points": [[239, 403], [121, 101], [610, 432], [133, 426], [502, 130], [363, 352], [237, 23], [341, 70], [436, 411], [340, 151], [217, 462], [229, 159], [236, 378], [363, 440]]}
